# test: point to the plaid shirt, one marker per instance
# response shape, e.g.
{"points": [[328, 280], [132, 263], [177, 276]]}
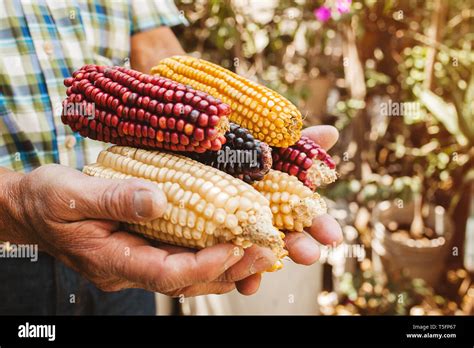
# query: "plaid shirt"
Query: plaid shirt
{"points": [[41, 43]]}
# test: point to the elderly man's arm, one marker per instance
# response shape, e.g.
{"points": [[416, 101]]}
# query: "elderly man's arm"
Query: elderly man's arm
{"points": [[150, 46], [75, 217], [8, 180]]}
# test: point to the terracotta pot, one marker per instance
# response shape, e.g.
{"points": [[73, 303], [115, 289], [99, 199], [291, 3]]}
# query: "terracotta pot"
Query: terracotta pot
{"points": [[417, 260]]}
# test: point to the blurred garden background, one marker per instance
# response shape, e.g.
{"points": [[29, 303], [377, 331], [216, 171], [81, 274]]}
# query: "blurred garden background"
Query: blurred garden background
{"points": [[396, 78]]}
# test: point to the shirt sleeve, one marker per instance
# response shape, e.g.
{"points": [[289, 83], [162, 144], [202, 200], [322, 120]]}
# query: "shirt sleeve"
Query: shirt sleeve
{"points": [[150, 14]]}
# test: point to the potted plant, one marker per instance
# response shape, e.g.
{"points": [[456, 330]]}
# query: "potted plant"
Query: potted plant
{"points": [[411, 239]]}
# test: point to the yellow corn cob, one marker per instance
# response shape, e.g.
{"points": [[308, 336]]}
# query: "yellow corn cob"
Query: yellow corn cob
{"points": [[269, 116], [205, 206], [293, 204]]}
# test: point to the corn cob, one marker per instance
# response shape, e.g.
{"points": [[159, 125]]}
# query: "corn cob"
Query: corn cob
{"points": [[293, 204], [306, 160], [126, 107], [269, 116], [205, 206], [241, 156]]}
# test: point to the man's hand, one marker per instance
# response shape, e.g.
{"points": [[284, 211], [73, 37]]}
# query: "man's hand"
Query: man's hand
{"points": [[301, 248], [325, 229], [73, 217]]}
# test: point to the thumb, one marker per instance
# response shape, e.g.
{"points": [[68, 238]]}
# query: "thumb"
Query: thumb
{"points": [[131, 200]]}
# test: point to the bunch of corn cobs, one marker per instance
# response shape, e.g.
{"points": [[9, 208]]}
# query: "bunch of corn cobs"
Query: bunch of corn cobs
{"points": [[227, 152]]}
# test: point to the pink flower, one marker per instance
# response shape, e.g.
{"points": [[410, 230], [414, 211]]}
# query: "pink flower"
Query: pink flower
{"points": [[322, 13], [343, 6]]}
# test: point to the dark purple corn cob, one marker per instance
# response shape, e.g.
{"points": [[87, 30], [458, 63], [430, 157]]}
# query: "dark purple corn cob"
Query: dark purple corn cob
{"points": [[126, 107], [306, 160], [242, 156]]}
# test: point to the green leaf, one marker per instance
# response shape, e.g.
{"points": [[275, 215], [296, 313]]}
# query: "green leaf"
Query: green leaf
{"points": [[444, 113]]}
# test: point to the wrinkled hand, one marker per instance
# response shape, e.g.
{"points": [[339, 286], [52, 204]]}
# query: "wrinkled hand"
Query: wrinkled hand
{"points": [[73, 217], [303, 249], [325, 229]]}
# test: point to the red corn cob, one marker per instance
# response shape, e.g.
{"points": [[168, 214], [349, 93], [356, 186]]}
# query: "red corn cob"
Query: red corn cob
{"points": [[126, 107], [306, 160]]}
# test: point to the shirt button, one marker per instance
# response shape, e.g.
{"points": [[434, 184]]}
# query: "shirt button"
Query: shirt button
{"points": [[48, 47], [70, 141]]}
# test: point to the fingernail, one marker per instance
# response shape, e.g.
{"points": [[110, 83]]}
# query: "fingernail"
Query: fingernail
{"points": [[143, 203], [261, 265]]}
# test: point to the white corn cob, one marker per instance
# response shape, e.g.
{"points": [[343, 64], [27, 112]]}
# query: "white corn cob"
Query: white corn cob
{"points": [[293, 204], [205, 206]]}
